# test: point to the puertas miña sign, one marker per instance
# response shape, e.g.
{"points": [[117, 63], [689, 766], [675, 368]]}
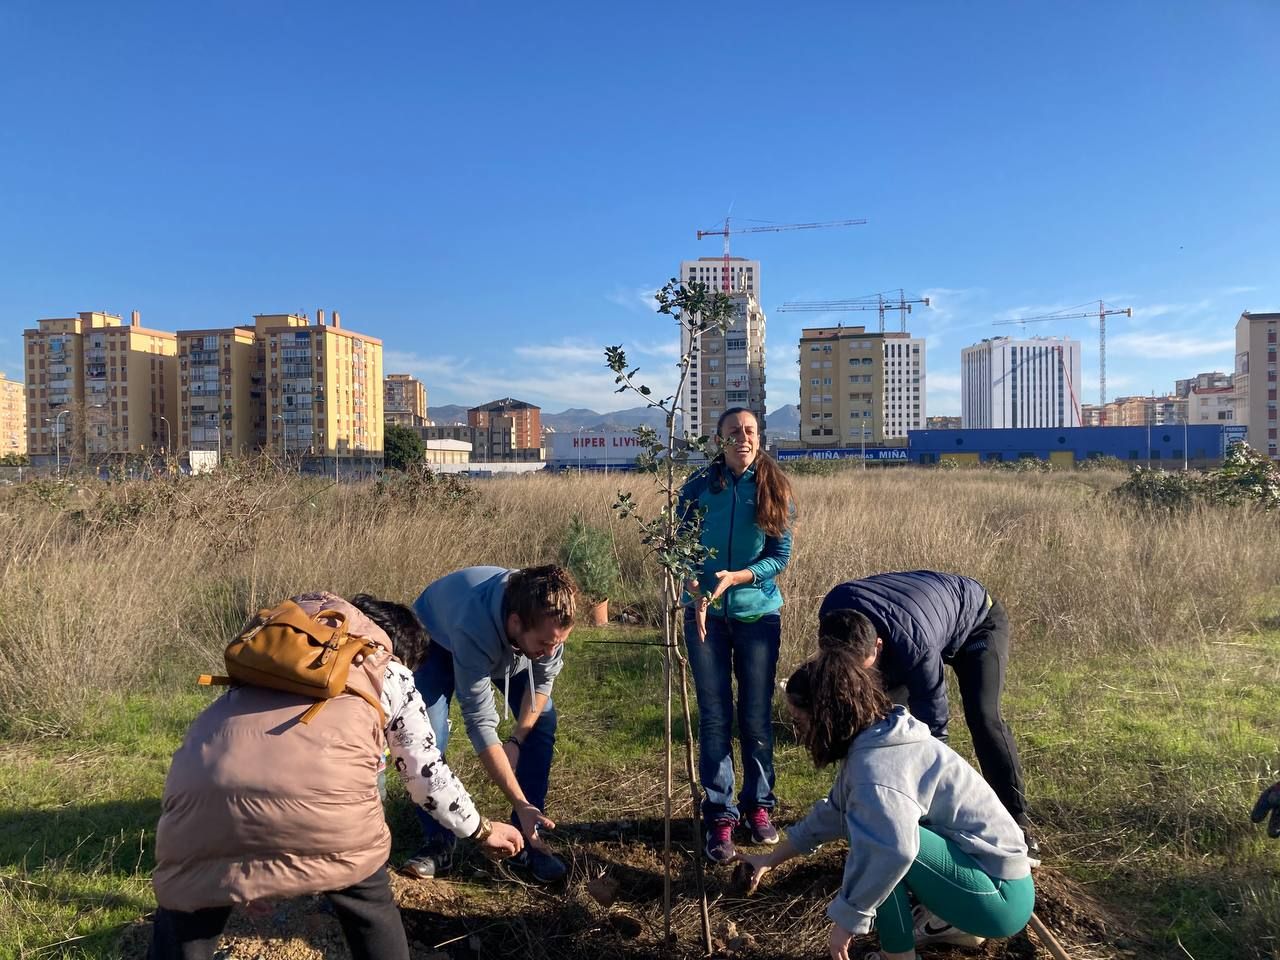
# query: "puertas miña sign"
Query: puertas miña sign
{"points": [[888, 454]]}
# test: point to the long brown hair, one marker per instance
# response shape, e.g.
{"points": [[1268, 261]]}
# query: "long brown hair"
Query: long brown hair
{"points": [[839, 697], [775, 505]]}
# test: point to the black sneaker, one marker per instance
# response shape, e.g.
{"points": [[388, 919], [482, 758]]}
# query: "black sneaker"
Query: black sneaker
{"points": [[541, 867]]}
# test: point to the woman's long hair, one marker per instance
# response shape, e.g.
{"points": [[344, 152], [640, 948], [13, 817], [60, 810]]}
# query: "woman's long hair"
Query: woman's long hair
{"points": [[775, 506], [839, 698]]}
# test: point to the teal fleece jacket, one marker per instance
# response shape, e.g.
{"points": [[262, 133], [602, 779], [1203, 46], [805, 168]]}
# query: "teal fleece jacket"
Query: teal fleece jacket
{"points": [[728, 506]]}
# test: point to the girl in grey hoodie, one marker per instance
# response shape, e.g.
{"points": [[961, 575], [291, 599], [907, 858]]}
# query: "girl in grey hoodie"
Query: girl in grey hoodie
{"points": [[918, 818]]}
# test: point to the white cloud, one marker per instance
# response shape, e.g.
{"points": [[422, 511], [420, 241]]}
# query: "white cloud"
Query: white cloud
{"points": [[561, 353], [636, 299], [943, 382], [1170, 344]]}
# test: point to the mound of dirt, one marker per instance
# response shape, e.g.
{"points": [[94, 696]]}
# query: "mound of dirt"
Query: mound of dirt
{"points": [[611, 906]]}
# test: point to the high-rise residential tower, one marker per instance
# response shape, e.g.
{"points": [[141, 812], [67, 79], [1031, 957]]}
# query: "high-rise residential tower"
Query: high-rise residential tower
{"points": [[728, 369], [744, 275], [1020, 383]]}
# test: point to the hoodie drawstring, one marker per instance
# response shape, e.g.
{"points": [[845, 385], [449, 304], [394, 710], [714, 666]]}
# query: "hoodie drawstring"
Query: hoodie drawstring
{"points": [[506, 688]]}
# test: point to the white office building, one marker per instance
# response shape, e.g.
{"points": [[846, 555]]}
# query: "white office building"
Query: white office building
{"points": [[1020, 383]]}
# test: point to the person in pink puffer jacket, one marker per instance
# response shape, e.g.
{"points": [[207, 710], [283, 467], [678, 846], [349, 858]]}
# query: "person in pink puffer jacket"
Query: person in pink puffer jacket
{"points": [[257, 805]]}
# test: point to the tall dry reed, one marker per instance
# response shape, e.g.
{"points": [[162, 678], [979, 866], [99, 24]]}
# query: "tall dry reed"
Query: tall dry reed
{"points": [[104, 589]]}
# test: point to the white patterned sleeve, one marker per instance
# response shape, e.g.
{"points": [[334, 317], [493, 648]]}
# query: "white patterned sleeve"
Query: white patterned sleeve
{"points": [[412, 742]]}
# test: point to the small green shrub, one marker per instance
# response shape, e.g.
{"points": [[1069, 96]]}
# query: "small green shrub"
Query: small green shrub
{"points": [[1023, 465], [419, 486], [588, 553], [1102, 463], [809, 467], [1162, 491], [1246, 476]]}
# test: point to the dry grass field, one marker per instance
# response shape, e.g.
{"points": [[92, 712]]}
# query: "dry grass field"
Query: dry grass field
{"points": [[1143, 685]]}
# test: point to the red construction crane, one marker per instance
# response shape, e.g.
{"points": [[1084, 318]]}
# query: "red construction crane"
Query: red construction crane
{"points": [[725, 231], [877, 301], [1101, 313]]}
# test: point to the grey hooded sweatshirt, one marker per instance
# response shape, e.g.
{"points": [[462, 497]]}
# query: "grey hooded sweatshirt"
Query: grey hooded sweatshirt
{"points": [[897, 777], [463, 613]]}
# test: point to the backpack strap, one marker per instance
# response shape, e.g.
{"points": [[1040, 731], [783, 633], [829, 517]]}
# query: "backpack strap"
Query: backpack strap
{"points": [[312, 710]]}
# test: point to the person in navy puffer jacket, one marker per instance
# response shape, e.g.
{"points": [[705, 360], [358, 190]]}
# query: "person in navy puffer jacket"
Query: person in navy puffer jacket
{"points": [[732, 627], [909, 625]]}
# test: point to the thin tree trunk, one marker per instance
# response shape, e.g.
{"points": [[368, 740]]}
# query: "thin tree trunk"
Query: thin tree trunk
{"points": [[666, 729], [695, 795]]}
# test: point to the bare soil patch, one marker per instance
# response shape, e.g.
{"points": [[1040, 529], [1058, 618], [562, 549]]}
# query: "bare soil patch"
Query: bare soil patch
{"points": [[611, 907]]}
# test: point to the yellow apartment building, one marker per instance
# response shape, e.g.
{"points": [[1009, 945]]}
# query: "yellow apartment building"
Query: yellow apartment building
{"points": [[221, 391], [98, 387], [1256, 380], [130, 388], [858, 387], [404, 400], [324, 388], [54, 361], [13, 417]]}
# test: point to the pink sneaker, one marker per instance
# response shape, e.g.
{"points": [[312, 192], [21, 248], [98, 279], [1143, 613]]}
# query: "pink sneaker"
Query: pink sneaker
{"points": [[720, 848], [761, 827]]}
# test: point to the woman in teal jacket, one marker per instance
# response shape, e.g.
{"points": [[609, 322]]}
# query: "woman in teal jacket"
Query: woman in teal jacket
{"points": [[732, 626]]}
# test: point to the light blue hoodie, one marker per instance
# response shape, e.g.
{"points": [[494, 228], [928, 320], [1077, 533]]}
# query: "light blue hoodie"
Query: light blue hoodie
{"points": [[463, 613], [895, 778]]}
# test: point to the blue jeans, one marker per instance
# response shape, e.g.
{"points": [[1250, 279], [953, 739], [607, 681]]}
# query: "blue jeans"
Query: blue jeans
{"points": [[747, 652], [434, 680]]}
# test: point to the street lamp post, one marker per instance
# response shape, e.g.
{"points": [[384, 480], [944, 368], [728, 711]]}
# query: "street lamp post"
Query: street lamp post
{"points": [[168, 438], [579, 451], [284, 453], [95, 406], [57, 442], [218, 422], [1186, 450]]}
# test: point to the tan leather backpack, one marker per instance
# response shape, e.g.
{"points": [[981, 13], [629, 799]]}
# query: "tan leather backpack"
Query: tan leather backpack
{"points": [[285, 649]]}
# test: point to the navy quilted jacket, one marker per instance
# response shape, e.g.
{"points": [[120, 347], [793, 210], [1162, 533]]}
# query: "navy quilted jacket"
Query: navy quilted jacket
{"points": [[924, 618]]}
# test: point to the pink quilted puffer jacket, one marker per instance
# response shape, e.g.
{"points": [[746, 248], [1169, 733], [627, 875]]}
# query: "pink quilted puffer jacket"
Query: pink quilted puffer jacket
{"points": [[258, 805]]}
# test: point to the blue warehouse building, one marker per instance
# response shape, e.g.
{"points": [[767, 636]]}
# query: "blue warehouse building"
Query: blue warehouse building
{"points": [[1170, 446]]}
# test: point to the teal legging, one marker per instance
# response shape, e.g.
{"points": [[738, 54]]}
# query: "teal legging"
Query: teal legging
{"points": [[952, 886]]}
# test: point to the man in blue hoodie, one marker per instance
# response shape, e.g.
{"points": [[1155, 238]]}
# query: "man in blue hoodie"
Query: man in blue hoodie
{"points": [[490, 625], [920, 621]]}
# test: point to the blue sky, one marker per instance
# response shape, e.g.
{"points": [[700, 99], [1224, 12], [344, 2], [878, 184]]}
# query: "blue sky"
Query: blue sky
{"points": [[494, 189]]}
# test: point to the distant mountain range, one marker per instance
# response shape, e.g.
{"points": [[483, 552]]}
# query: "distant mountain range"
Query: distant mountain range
{"points": [[783, 423]]}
